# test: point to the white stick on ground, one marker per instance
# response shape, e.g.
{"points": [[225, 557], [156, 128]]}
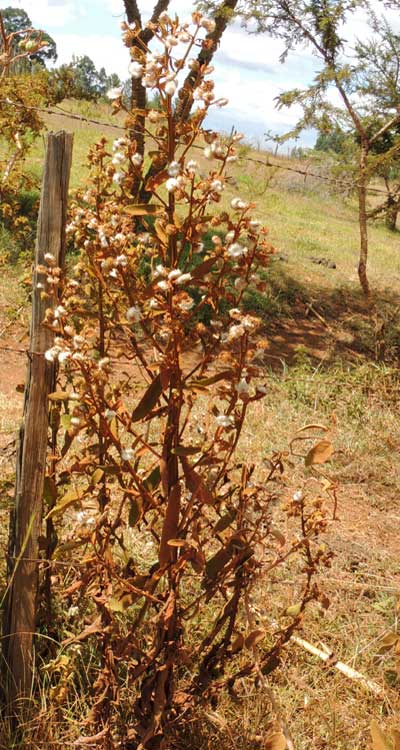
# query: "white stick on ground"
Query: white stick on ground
{"points": [[344, 668]]}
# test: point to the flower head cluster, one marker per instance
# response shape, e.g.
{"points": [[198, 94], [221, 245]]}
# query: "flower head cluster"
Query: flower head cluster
{"points": [[157, 68], [247, 324], [237, 251], [169, 279], [114, 93]]}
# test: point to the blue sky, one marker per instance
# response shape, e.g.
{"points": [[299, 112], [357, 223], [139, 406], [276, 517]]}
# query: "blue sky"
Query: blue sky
{"points": [[247, 67]]}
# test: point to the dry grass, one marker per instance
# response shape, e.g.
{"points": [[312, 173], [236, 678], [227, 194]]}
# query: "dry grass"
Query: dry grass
{"points": [[323, 708]]}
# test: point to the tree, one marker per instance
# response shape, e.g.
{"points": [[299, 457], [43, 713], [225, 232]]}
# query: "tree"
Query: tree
{"points": [[86, 80], [107, 82], [376, 75], [16, 21], [320, 24], [378, 81], [80, 79], [21, 95], [385, 158], [137, 37], [331, 141]]}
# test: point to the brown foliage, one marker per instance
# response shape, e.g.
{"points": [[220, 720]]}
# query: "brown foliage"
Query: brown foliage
{"points": [[156, 377]]}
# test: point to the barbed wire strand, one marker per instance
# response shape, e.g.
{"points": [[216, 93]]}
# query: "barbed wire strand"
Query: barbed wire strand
{"points": [[265, 163]]}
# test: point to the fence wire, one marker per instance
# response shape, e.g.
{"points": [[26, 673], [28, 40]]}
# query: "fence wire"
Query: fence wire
{"points": [[305, 173]]}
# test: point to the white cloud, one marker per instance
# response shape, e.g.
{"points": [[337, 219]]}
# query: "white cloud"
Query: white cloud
{"points": [[253, 100], [179, 7], [115, 60], [115, 6], [247, 68], [48, 13]]}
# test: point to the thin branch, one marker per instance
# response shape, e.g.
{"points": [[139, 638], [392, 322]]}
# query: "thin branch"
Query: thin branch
{"points": [[222, 17], [133, 12], [343, 668], [394, 121]]}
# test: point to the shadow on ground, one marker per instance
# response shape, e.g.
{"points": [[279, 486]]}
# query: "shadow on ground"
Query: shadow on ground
{"points": [[327, 325]]}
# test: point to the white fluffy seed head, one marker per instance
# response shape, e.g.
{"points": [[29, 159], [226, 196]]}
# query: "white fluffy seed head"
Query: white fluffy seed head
{"points": [[114, 93], [170, 88], [172, 184], [175, 274], [223, 420], [127, 454], [174, 169], [183, 278], [208, 24], [133, 315], [236, 251], [135, 69]]}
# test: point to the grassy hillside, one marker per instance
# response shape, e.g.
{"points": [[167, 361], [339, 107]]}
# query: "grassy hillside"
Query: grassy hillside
{"points": [[330, 360], [305, 220]]}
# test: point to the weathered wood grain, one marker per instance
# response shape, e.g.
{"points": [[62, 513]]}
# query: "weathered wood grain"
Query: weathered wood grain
{"points": [[26, 526]]}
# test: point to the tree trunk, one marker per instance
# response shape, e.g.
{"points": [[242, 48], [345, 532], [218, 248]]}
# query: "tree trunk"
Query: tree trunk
{"points": [[391, 214], [138, 90], [362, 220], [184, 100], [222, 16]]}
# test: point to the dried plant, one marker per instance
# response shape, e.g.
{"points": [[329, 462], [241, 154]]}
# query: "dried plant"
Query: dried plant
{"points": [[20, 124], [164, 534]]}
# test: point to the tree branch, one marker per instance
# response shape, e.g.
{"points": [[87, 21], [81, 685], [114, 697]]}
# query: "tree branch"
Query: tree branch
{"points": [[394, 121], [133, 12], [185, 96], [141, 41], [159, 8], [184, 104], [327, 58]]}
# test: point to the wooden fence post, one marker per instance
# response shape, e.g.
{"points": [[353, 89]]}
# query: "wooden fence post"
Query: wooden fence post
{"points": [[26, 521]]}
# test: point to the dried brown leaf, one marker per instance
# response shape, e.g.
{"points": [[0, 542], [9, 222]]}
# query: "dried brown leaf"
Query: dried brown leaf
{"points": [[143, 209], [238, 643], [218, 561], [154, 182], [95, 627], [275, 741], [70, 498], [313, 427], [225, 520], [186, 450], [97, 476], [160, 232], [389, 640], [278, 535], [197, 560], [203, 268], [254, 637], [135, 512], [202, 382], [59, 396], [320, 453], [380, 740], [151, 396], [179, 543], [195, 483]]}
